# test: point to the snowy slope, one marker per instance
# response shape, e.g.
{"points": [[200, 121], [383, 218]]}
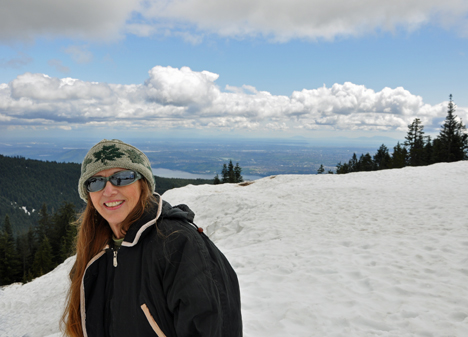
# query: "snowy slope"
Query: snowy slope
{"points": [[364, 254]]}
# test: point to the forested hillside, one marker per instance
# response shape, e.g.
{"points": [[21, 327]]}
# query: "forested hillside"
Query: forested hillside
{"points": [[27, 184]]}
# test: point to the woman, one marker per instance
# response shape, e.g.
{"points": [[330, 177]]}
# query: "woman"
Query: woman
{"points": [[142, 267]]}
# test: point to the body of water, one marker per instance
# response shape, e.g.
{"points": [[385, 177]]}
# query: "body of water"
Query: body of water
{"points": [[166, 173]]}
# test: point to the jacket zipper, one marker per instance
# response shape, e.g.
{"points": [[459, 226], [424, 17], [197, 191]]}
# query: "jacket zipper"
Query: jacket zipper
{"points": [[115, 257]]}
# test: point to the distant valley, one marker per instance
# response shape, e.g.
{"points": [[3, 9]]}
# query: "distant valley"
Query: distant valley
{"points": [[258, 158]]}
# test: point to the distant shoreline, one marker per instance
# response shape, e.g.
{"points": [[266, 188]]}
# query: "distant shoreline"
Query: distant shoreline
{"points": [[167, 173]]}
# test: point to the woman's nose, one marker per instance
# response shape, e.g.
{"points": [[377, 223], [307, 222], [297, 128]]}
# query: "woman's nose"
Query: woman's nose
{"points": [[109, 189]]}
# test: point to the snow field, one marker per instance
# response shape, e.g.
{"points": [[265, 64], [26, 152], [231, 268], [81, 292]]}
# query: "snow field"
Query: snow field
{"points": [[364, 254]]}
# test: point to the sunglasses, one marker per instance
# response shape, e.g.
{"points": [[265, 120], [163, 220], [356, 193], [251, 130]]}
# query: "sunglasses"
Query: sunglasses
{"points": [[121, 178]]}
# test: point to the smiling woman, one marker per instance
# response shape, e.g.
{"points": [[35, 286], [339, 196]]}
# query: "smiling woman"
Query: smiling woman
{"points": [[143, 268]]}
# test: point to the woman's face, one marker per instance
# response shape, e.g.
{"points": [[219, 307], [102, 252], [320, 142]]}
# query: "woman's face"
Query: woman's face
{"points": [[115, 203]]}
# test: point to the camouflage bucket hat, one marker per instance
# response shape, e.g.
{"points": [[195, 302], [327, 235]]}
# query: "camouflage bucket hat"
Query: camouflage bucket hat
{"points": [[114, 154]]}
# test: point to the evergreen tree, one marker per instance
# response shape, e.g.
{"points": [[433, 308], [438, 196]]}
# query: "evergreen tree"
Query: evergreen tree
{"points": [[399, 156], [32, 247], [382, 159], [366, 163], [7, 227], [225, 174], [238, 173], [231, 173], [10, 268], [43, 260], [428, 151], [354, 165], [63, 228], [216, 180], [44, 228], [342, 168], [22, 252], [415, 143], [452, 142], [320, 169]]}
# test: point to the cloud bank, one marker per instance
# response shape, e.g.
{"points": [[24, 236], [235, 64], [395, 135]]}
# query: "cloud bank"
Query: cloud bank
{"points": [[174, 98], [87, 19], [278, 20], [283, 20]]}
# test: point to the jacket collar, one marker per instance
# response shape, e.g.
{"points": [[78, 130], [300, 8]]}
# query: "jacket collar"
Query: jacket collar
{"points": [[148, 219]]}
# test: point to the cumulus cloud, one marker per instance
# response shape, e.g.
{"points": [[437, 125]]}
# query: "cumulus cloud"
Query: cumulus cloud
{"points": [[172, 97], [278, 20]]}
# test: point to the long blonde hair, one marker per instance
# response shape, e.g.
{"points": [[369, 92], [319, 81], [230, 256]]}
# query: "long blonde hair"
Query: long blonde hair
{"points": [[93, 234]]}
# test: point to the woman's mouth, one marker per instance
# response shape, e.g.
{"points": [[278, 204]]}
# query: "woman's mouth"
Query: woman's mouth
{"points": [[113, 204]]}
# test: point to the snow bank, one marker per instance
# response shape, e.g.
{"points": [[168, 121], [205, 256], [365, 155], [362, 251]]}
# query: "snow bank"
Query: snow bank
{"points": [[364, 254]]}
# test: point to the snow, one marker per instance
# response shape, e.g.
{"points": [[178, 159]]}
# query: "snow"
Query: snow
{"points": [[25, 210], [364, 254]]}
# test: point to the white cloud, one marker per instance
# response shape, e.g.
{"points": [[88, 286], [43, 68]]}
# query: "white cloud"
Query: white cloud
{"points": [[282, 20], [278, 20], [168, 85], [172, 97]]}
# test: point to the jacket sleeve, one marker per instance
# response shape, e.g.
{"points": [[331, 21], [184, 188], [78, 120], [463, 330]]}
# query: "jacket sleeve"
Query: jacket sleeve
{"points": [[191, 290]]}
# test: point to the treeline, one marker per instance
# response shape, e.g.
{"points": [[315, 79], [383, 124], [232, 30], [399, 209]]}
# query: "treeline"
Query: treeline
{"points": [[450, 145], [40, 249]]}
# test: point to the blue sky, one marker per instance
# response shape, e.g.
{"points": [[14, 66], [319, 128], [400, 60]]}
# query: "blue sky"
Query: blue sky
{"points": [[312, 68]]}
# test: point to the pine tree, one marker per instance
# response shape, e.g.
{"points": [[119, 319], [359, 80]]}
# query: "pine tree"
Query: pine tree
{"points": [[353, 164], [399, 156], [366, 163], [43, 260], [382, 159], [452, 142], [238, 174], [225, 174], [10, 268], [63, 228], [342, 168], [415, 143], [44, 228], [232, 175], [428, 151], [320, 169], [216, 180]]}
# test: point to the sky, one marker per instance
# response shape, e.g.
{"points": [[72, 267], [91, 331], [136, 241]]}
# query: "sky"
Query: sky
{"points": [[257, 68], [370, 258]]}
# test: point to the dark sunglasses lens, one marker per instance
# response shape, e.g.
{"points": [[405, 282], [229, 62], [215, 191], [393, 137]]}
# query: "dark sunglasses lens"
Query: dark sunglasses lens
{"points": [[95, 184], [123, 178]]}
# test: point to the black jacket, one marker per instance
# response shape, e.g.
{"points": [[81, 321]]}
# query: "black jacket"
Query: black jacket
{"points": [[167, 280]]}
